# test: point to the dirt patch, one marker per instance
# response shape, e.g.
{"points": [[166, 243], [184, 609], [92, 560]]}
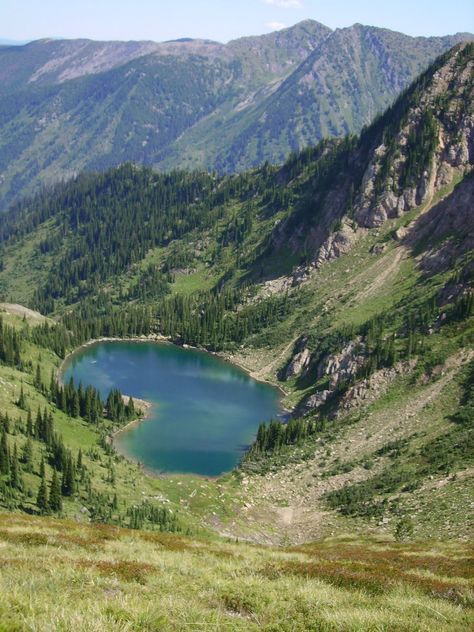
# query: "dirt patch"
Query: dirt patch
{"points": [[29, 314]]}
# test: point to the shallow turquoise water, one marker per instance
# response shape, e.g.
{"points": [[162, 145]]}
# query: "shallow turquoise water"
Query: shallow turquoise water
{"points": [[205, 410]]}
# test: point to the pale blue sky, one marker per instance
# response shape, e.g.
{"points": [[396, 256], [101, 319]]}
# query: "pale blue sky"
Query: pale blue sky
{"points": [[221, 19]]}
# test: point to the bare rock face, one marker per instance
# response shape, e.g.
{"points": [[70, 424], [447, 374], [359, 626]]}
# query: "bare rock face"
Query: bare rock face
{"points": [[453, 156], [343, 365], [299, 362], [340, 367], [337, 244], [369, 390], [447, 229], [275, 286], [316, 401], [378, 249]]}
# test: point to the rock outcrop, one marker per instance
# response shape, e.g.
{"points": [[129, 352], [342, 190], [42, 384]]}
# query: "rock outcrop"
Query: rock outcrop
{"points": [[298, 364], [339, 367], [407, 159], [450, 114]]}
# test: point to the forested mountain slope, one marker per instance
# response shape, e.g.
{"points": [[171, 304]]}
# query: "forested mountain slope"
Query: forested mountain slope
{"points": [[67, 106], [344, 275]]}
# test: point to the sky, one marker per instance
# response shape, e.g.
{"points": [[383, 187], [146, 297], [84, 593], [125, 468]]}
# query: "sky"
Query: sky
{"points": [[221, 20]]}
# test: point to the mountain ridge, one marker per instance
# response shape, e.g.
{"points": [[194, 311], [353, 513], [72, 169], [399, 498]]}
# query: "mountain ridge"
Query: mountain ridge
{"points": [[127, 95]]}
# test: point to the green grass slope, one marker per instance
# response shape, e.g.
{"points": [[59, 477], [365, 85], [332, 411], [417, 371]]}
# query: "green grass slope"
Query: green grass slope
{"points": [[114, 579]]}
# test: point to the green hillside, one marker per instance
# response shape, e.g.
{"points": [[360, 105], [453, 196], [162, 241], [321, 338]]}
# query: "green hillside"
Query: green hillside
{"points": [[70, 106], [344, 276], [115, 579]]}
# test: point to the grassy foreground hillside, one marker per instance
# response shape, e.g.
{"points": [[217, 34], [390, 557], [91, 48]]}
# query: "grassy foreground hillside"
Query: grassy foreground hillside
{"points": [[58, 575]]}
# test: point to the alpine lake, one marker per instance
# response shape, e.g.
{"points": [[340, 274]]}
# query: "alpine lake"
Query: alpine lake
{"points": [[205, 411]]}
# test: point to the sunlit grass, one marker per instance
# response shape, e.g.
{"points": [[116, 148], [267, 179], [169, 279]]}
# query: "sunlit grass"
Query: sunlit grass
{"points": [[115, 579]]}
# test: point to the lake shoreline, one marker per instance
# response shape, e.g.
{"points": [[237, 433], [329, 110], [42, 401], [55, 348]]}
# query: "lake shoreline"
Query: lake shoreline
{"points": [[148, 407], [160, 339], [144, 407]]}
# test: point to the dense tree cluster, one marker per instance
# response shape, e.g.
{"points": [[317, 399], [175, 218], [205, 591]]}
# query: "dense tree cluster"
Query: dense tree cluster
{"points": [[273, 436], [115, 218], [77, 401], [211, 320], [149, 514], [10, 345], [116, 410]]}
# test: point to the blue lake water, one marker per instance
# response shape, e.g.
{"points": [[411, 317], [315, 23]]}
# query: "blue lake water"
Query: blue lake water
{"points": [[205, 410]]}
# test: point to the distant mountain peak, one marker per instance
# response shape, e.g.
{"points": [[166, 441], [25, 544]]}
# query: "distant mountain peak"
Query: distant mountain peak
{"points": [[70, 105]]}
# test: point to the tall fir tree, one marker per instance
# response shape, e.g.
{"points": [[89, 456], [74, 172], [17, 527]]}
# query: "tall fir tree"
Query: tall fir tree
{"points": [[27, 455], [42, 500], [55, 500], [21, 403], [4, 455], [15, 475], [29, 424]]}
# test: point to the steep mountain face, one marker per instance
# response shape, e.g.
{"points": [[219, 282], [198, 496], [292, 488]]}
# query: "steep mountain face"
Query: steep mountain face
{"points": [[337, 90], [66, 106], [317, 204], [420, 146]]}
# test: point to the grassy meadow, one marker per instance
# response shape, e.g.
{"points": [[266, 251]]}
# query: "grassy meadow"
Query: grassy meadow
{"points": [[60, 575]]}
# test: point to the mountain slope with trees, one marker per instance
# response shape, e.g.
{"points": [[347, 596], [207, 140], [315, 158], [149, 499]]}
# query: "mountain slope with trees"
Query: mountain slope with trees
{"points": [[69, 106], [344, 275]]}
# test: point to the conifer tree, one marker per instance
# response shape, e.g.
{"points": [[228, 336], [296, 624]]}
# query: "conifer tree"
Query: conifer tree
{"points": [[42, 500], [21, 403], [29, 424], [68, 486], [75, 404], [15, 476], [27, 455], [55, 500], [38, 382], [52, 386], [4, 455]]}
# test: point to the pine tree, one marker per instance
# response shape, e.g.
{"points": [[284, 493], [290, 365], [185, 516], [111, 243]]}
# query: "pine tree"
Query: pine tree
{"points": [[42, 499], [15, 476], [55, 500], [27, 455], [75, 404], [52, 386], [5, 422], [68, 486], [38, 381], [130, 408], [21, 403], [4, 455], [40, 426], [29, 424]]}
